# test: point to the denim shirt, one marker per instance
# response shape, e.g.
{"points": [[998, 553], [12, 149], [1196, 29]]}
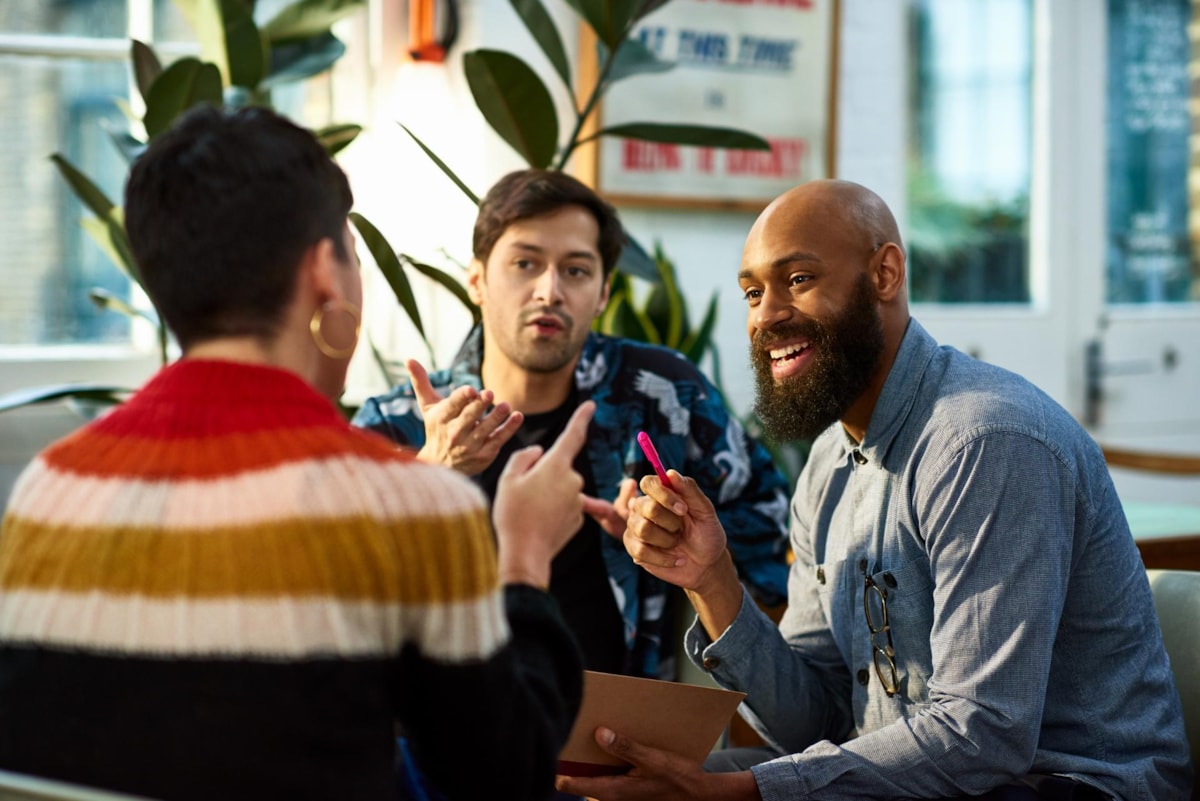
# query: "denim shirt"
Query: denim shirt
{"points": [[645, 387], [1021, 617]]}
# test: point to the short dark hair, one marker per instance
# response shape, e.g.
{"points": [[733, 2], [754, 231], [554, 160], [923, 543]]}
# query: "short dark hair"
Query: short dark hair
{"points": [[530, 193], [219, 211]]}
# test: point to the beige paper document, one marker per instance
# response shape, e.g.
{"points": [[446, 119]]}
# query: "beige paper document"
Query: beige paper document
{"points": [[682, 718]]}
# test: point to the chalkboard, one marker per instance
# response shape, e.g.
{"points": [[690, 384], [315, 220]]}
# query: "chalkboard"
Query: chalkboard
{"points": [[1148, 127]]}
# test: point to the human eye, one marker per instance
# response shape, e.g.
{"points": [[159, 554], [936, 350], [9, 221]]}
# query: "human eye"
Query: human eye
{"points": [[752, 295], [578, 271], [798, 279]]}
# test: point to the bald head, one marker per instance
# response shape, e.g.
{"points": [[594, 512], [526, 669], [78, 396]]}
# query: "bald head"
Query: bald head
{"points": [[842, 210], [823, 273]]}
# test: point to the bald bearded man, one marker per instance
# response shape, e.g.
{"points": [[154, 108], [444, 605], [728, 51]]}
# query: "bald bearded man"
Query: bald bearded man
{"points": [[967, 612]]}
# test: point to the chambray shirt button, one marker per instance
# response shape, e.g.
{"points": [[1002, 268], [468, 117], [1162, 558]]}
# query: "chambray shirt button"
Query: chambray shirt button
{"points": [[711, 662], [889, 580], [864, 676], [820, 575], [859, 457]]}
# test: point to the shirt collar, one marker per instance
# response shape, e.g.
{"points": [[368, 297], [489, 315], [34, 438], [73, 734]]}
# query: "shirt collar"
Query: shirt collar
{"points": [[899, 394]]}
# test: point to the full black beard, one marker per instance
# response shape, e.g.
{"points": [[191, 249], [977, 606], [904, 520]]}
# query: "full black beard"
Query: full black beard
{"points": [[846, 351]]}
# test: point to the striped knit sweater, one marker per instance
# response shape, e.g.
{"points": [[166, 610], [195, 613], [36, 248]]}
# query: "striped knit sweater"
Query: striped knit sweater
{"points": [[221, 590]]}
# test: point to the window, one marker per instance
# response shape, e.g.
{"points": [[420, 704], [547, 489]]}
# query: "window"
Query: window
{"points": [[970, 151], [1151, 258], [63, 66]]}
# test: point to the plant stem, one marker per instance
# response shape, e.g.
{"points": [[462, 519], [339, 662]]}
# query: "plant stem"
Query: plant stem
{"points": [[582, 115]]}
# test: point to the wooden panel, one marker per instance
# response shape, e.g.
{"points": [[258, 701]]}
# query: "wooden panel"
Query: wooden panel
{"points": [[1171, 553]]}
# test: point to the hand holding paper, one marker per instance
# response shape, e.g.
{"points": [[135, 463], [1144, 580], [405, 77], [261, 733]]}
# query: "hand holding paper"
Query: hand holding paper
{"points": [[666, 730]]}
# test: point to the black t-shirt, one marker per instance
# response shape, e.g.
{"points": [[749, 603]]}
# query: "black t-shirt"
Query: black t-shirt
{"points": [[578, 578]]}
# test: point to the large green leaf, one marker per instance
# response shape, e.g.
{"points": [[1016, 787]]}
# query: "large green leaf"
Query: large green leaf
{"points": [[107, 228], [515, 103], [308, 18], [245, 49], [634, 260], [228, 38], [545, 33], [204, 17], [665, 306], [388, 263], [610, 20], [126, 144], [87, 192], [296, 60], [182, 85], [442, 165], [107, 301], [446, 280], [127, 109], [701, 339], [146, 66], [675, 134], [110, 236], [336, 137], [619, 283], [633, 58], [649, 7], [622, 319]]}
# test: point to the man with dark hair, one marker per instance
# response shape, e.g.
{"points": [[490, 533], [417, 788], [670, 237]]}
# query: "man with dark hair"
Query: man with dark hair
{"points": [[967, 613], [544, 248]]}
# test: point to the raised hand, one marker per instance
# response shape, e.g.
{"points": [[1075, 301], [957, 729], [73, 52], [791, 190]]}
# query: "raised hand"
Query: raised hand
{"points": [[460, 432], [674, 534], [539, 503]]}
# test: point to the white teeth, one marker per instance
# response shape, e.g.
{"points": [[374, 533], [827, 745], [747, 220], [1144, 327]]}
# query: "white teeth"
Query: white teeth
{"points": [[783, 353]]}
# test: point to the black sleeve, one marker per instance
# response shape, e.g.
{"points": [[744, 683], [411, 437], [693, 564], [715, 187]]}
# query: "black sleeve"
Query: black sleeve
{"points": [[495, 728]]}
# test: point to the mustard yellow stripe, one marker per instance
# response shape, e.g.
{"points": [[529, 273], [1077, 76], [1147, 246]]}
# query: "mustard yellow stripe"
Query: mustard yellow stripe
{"points": [[424, 559]]}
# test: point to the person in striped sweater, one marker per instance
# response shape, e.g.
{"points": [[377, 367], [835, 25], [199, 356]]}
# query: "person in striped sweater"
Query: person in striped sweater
{"points": [[222, 590]]}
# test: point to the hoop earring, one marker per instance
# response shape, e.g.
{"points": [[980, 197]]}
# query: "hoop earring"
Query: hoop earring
{"points": [[314, 327]]}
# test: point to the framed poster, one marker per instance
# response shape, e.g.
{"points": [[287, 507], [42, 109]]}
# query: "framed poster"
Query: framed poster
{"points": [[765, 66]]}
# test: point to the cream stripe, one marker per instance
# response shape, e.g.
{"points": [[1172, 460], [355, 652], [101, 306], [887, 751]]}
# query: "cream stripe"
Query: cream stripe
{"points": [[340, 487], [137, 625]]}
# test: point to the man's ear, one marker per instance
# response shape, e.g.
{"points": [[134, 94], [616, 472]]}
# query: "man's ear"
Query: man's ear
{"points": [[605, 293], [889, 271], [475, 281]]}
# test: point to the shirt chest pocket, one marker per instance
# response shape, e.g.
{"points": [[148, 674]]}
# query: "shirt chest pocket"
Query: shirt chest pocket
{"points": [[897, 607]]}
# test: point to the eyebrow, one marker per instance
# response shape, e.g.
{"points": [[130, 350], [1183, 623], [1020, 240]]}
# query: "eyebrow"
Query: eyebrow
{"points": [[783, 262], [574, 254]]}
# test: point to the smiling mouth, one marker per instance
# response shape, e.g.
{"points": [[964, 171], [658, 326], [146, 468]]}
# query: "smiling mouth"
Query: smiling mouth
{"points": [[789, 353]]}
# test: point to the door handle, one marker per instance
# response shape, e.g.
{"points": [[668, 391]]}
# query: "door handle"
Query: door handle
{"points": [[1095, 368]]}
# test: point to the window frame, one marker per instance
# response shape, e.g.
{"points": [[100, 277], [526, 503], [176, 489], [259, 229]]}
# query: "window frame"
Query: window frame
{"points": [[129, 363]]}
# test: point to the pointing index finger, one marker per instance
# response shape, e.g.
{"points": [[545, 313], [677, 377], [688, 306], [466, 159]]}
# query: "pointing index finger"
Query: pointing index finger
{"points": [[571, 440], [426, 394]]}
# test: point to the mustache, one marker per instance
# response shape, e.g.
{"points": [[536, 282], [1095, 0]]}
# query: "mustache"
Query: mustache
{"points": [[765, 338], [529, 316]]}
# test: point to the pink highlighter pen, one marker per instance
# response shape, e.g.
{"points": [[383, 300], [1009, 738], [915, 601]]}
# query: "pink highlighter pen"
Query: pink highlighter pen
{"points": [[652, 454]]}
